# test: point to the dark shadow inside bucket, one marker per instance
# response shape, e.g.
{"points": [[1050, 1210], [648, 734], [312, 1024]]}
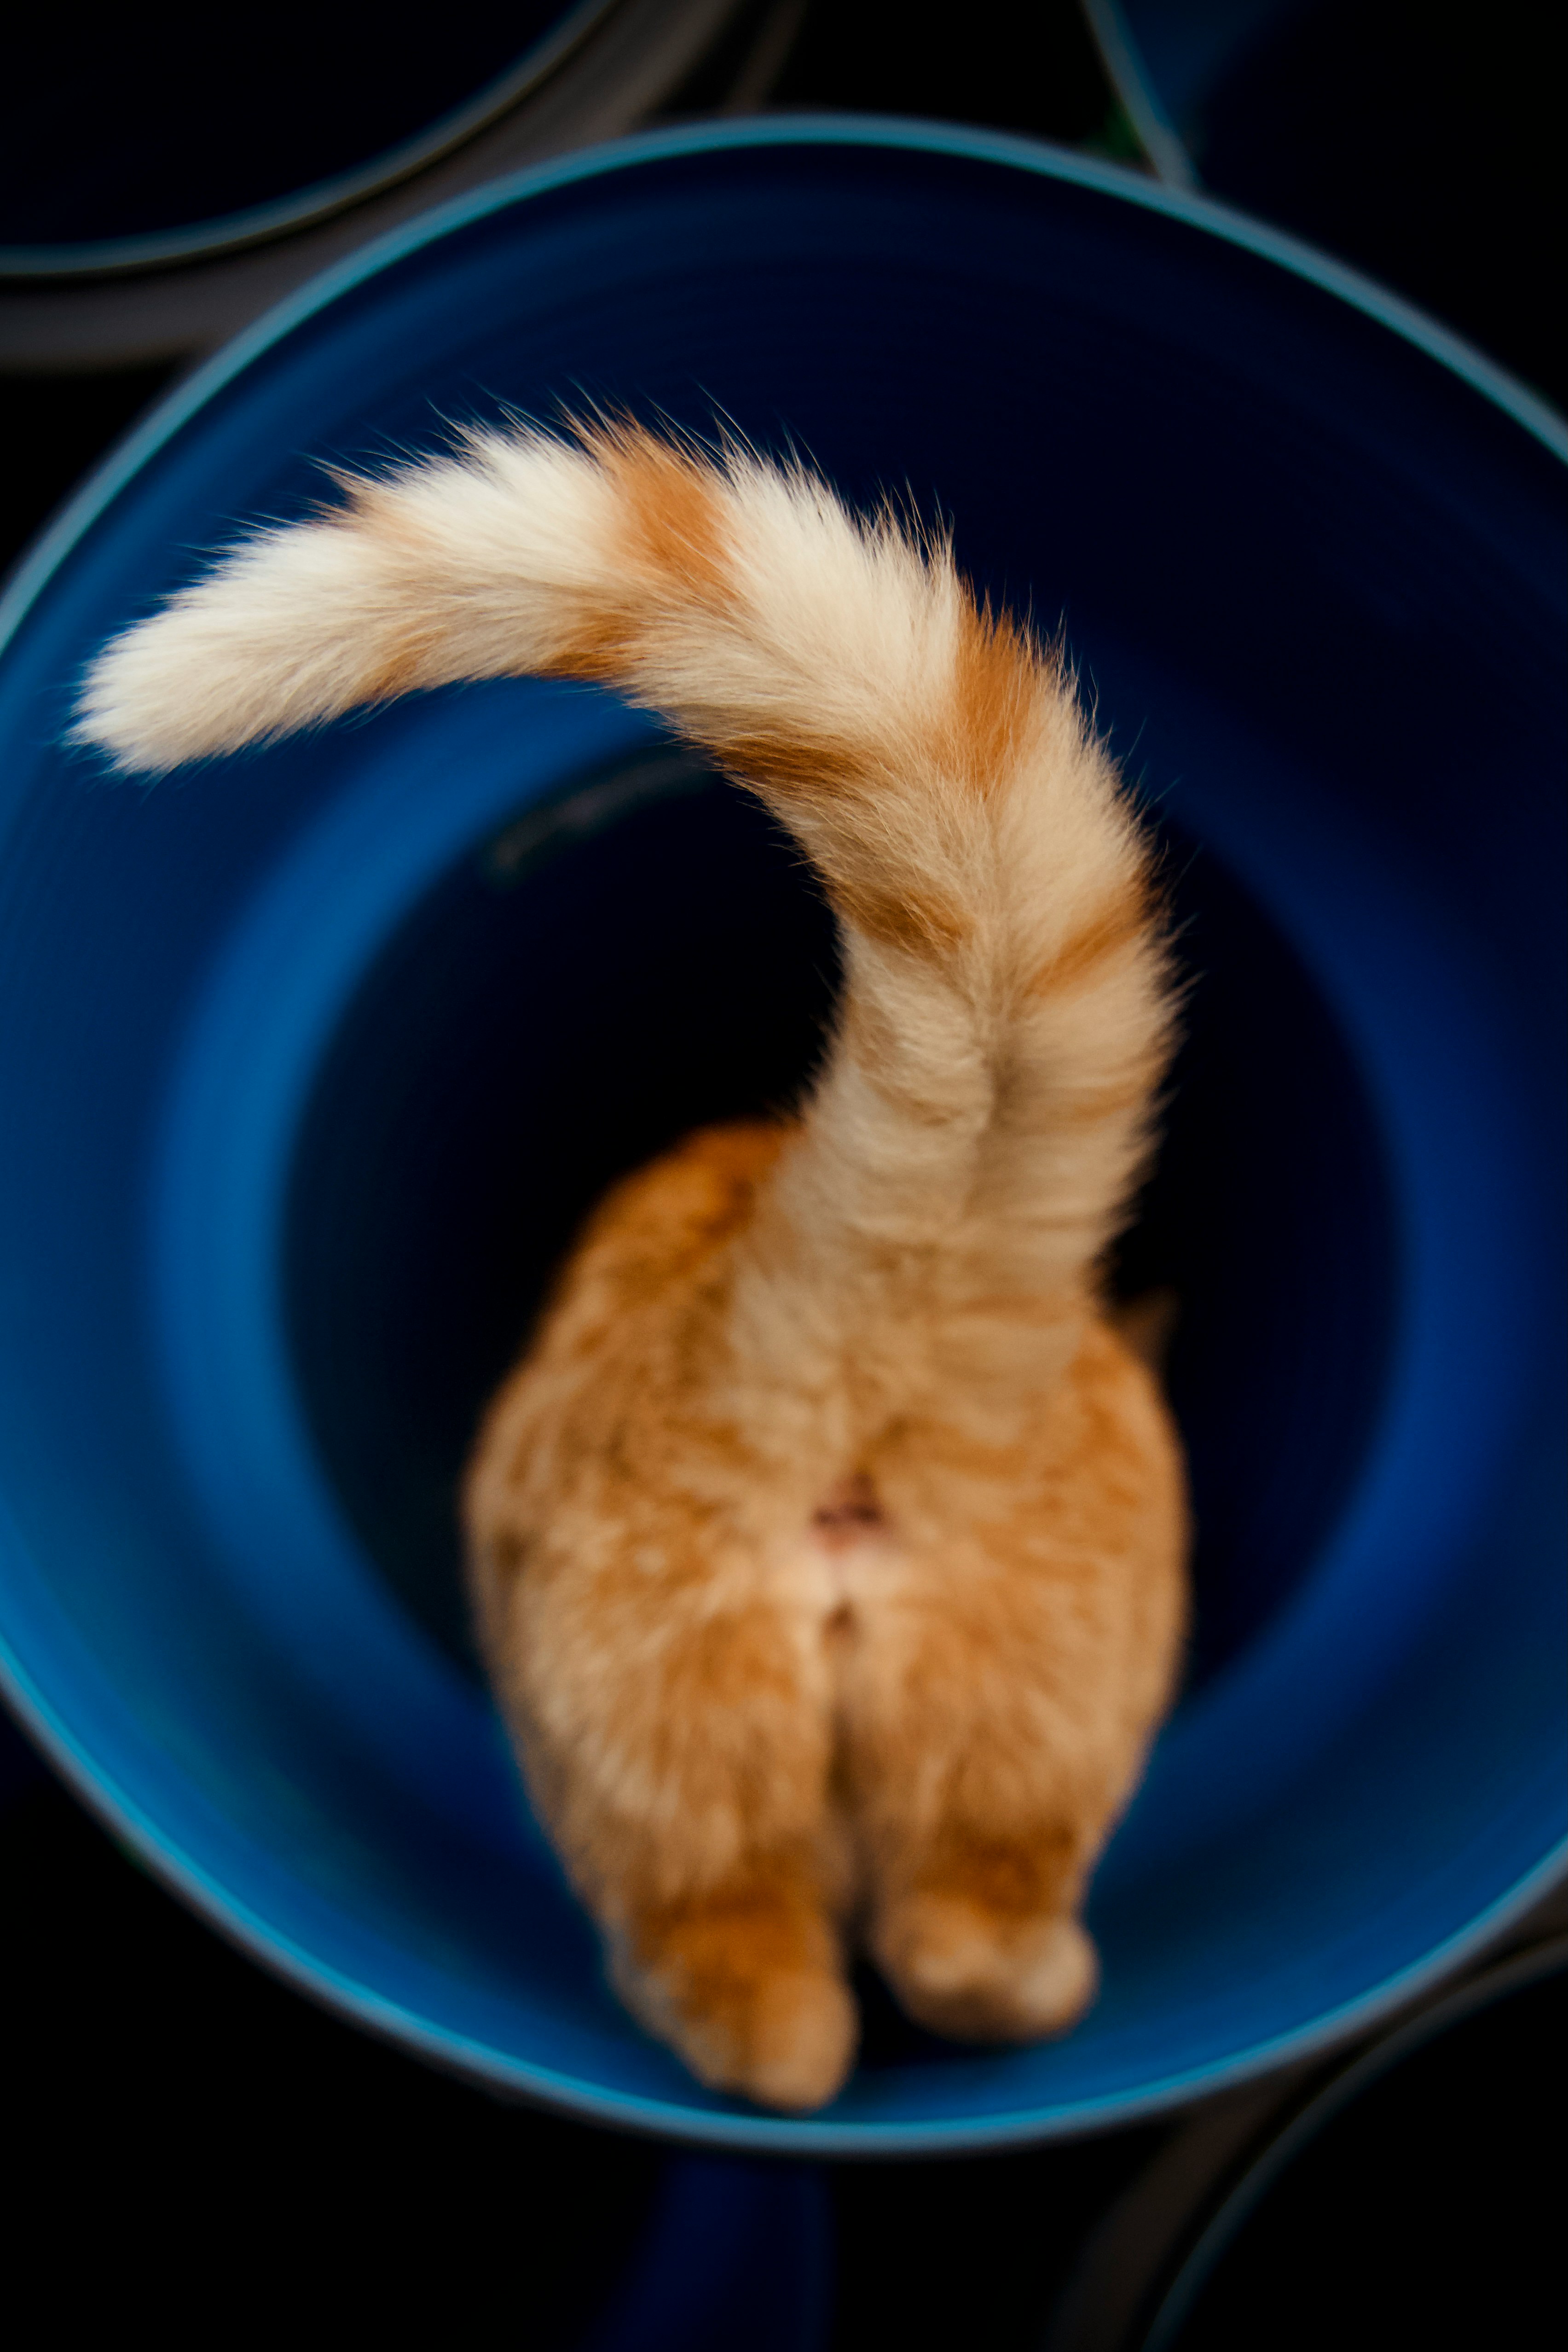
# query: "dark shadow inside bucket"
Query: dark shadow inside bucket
{"points": [[650, 954]]}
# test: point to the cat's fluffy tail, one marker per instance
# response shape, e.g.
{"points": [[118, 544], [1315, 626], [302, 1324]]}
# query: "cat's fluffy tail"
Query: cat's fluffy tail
{"points": [[975, 1137]]}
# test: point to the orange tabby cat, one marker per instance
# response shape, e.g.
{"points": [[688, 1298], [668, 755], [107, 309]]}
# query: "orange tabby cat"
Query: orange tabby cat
{"points": [[827, 1543]]}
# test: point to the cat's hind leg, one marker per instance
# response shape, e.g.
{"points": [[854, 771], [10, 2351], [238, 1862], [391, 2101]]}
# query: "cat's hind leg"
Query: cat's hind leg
{"points": [[654, 1637], [976, 1824], [982, 1943], [972, 1830], [745, 1980], [1014, 1644], [676, 1736]]}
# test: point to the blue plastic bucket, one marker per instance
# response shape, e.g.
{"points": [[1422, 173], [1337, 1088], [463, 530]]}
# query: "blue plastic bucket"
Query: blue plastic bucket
{"points": [[309, 1061]]}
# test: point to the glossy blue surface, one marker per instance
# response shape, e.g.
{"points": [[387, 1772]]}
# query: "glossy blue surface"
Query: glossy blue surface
{"points": [[1309, 558]]}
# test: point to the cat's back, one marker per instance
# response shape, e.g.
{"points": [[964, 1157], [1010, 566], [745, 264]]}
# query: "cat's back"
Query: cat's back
{"points": [[654, 1228], [637, 1275]]}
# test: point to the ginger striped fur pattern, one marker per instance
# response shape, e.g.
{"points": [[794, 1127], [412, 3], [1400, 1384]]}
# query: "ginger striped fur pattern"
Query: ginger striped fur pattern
{"points": [[827, 1543]]}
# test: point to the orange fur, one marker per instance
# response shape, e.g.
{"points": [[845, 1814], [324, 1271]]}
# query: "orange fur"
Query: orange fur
{"points": [[826, 1545]]}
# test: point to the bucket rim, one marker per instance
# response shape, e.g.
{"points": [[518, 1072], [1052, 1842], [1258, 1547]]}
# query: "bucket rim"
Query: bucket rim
{"points": [[51, 262], [1038, 158]]}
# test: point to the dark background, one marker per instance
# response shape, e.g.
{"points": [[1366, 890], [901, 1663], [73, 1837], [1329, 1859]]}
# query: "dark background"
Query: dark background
{"points": [[201, 2148]]}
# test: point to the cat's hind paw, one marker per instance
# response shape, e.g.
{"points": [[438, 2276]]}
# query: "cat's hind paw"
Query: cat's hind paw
{"points": [[976, 1976], [798, 2047], [781, 2032]]}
